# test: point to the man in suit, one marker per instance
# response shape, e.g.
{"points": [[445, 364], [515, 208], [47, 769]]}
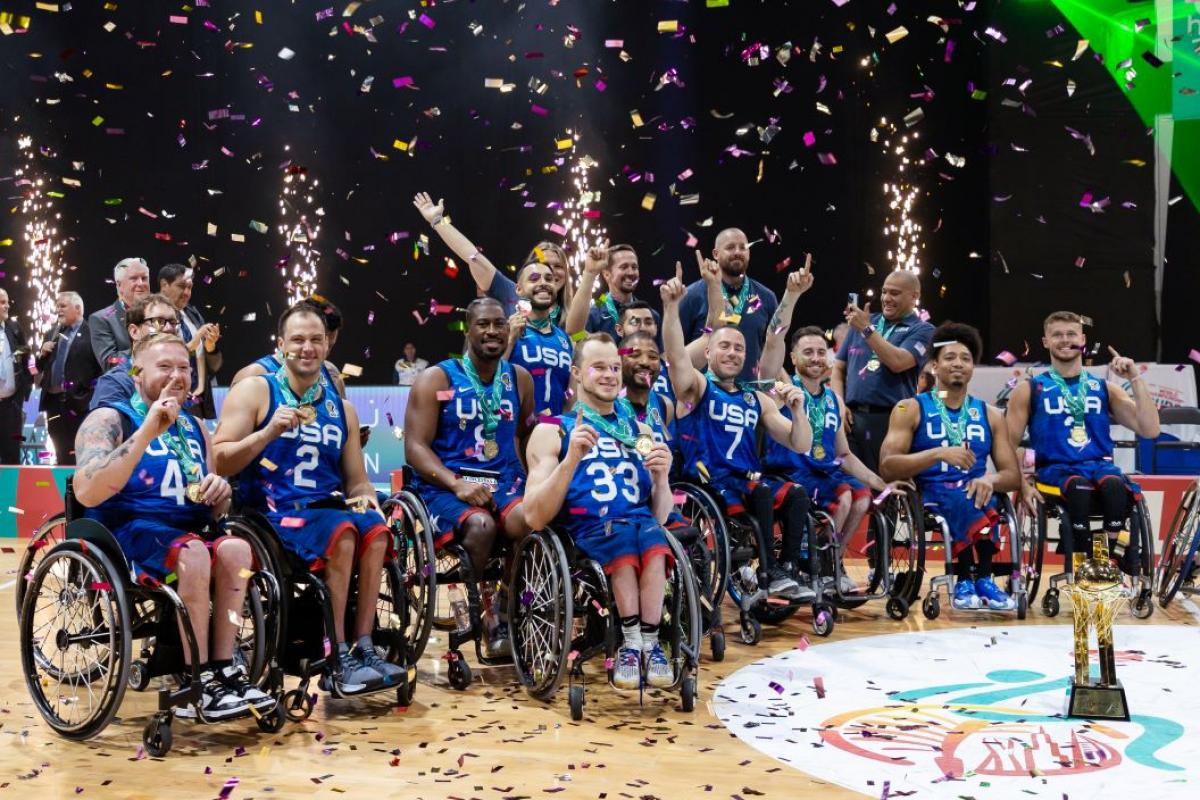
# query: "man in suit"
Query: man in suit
{"points": [[108, 329], [175, 282], [68, 371], [15, 384]]}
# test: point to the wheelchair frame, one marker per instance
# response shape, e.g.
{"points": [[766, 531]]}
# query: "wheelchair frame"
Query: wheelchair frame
{"points": [[553, 590], [1176, 572]]}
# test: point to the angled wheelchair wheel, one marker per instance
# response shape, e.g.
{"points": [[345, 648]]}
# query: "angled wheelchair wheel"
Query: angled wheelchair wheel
{"points": [[75, 651], [898, 532], [444, 564], [49, 534], [392, 621], [681, 626], [540, 613], [408, 516], [250, 647], [1031, 528], [1177, 565], [710, 552]]}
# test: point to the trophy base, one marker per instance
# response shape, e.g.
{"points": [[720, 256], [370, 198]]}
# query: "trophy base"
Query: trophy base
{"points": [[1097, 701]]}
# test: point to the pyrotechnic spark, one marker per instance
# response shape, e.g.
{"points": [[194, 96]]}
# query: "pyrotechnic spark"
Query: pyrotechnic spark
{"points": [[577, 220], [902, 231], [43, 247], [299, 225]]}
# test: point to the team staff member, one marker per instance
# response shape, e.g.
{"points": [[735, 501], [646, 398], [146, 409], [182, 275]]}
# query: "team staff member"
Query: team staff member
{"points": [[604, 480], [879, 362]]}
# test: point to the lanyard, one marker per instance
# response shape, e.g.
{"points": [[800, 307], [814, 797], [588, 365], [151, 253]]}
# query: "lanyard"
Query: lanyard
{"points": [[489, 404], [1076, 404], [956, 429], [174, 438]]}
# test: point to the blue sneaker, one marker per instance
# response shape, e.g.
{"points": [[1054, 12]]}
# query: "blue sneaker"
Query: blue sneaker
{"points": [[965, 597], [658, 669], [627, 674], [993, 596]]}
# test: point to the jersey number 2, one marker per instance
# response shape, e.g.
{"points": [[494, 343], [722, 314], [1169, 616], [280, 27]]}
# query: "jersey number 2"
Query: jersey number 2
{"points": [[309, 454]]}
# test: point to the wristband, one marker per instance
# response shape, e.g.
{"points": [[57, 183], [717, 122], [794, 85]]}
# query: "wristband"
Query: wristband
{"points": [[869, 332]]}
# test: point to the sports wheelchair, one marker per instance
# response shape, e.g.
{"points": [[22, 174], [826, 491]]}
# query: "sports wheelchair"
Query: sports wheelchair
{"points": [[705, 538], [306, 650], [929, 531], [1177, 567], [561, 614], [1052, 507], [426, 569], [81, 611]]}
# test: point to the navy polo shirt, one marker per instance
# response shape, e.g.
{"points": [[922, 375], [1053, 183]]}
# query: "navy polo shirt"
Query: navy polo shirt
{"points": [[600, 321], [693, 311], [115, 385], [882, 387]]}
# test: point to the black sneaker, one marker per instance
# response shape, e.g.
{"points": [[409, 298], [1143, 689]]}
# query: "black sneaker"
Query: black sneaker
{"points": [[236, 679], [219, 700]]}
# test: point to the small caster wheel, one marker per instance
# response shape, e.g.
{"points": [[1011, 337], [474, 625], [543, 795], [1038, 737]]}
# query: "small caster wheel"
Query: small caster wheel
{"points": [[297, 705], [931, 607], [718, 646], [1050, 603], [156, 737], [687, 694], [1142, 607], [1022, 606], [897, 608], [823, 619], [460, 673], [139, 676], [751, 630], [272, 721], [575, 698]]}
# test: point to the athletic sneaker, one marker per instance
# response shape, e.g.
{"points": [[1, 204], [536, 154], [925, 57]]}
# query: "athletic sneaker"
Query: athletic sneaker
{"points": [[498, 643], [803, 582], [992, 596], [219, 700], [356, 676], [780, 584], [658, 669], [235, 678], [965, 597], [369, 657], [846, 584], [627, 673]]}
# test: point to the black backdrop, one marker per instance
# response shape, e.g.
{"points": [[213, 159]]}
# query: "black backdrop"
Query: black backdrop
{"points": [[208, 115]]}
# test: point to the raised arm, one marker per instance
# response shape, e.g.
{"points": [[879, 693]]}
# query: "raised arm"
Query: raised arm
{"points": [[236, 442], [685, 379], [581, 302], [775, 348], [482, 270], [1139, 414], [526, 423], [549, 479], [795, 434], [710, 273]]}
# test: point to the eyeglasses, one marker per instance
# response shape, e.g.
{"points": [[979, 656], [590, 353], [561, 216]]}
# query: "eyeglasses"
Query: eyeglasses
{"points": [[160, 323]]}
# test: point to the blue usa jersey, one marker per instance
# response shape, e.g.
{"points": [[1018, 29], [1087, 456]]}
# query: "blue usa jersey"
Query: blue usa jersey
{"points": [[931, 432], [304, 464], [662, 386], [610, 483], [1050, 422], [271, 364], [654, 416], [547, 356], [157, 488], [459, 438], [779, 457], [721, 431]]}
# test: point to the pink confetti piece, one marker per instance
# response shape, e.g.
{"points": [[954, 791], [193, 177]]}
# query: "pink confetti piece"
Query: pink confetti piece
{"points": [[882, 496], [1194, 355], [401, 82], [292, 522], [803, 644], [809, 139], [427, 21], [819, 685], [1006, 358]]}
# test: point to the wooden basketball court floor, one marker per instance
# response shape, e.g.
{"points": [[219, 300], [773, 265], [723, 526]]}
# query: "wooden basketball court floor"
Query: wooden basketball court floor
{"points": [[491, 741]]}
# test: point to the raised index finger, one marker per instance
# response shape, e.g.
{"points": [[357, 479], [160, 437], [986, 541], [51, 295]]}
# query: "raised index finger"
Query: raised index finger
{"points": [[1115, 354]]}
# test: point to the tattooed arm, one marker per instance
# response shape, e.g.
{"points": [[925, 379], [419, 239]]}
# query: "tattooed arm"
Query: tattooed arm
{"points": [[774, 353], [104, 461]]}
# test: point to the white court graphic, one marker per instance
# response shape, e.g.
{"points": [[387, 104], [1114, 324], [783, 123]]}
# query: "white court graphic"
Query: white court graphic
{"points": [[975, 712]]}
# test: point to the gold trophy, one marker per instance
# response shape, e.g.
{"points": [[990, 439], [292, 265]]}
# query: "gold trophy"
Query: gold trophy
{"points": [[1096, 595]]}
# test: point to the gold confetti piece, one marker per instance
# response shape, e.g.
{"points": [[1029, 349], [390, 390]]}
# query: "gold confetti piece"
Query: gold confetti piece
{"points": [[258, 16], [1080, 47], [637, 118], [245, 573], [267, 464], [564, 144], [896, 34], [352, 371], [668, 26], [648, 201], [399, 145], [730, 319]]}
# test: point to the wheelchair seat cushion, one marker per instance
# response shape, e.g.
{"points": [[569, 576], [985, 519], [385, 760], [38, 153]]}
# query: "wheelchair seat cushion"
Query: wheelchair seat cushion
{"points": [[310, 532]]}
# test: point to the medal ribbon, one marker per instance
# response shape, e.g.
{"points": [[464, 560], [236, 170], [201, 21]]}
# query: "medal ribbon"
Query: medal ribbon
{"points": [[737, 304], [620, 429], [884, 329], [544, 325], [174, 438], [956, 430], [816, 416], [610, 308], [489, 405], [1076, 404], [310, 394]]}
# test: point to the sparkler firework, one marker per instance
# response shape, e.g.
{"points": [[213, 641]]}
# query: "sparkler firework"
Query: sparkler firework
{"points": [[576, 219], [299, 225], [43, 246]]}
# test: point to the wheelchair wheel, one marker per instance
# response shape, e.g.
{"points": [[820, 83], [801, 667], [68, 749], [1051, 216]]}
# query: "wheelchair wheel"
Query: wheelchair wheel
{"points": [[681, 623], [1177, 566], [50, 534], [392, 623], [540, 613], [408, 514], [898, 532], [443, 618], [75, 648], [710, 553], [250, 643], [821, 529], [1142, 605], [1032, 528]]}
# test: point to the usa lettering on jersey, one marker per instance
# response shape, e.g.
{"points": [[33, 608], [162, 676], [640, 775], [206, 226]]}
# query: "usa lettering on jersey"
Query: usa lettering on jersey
{"points": [[534, 353], [721, 411]]}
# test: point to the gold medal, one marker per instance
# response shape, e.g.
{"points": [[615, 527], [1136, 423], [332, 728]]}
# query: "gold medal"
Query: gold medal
{"points": [[873, 365], [194, 493], [818, 451], [643, 444], [307, 414], [1078, 434], [491, 448]]}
